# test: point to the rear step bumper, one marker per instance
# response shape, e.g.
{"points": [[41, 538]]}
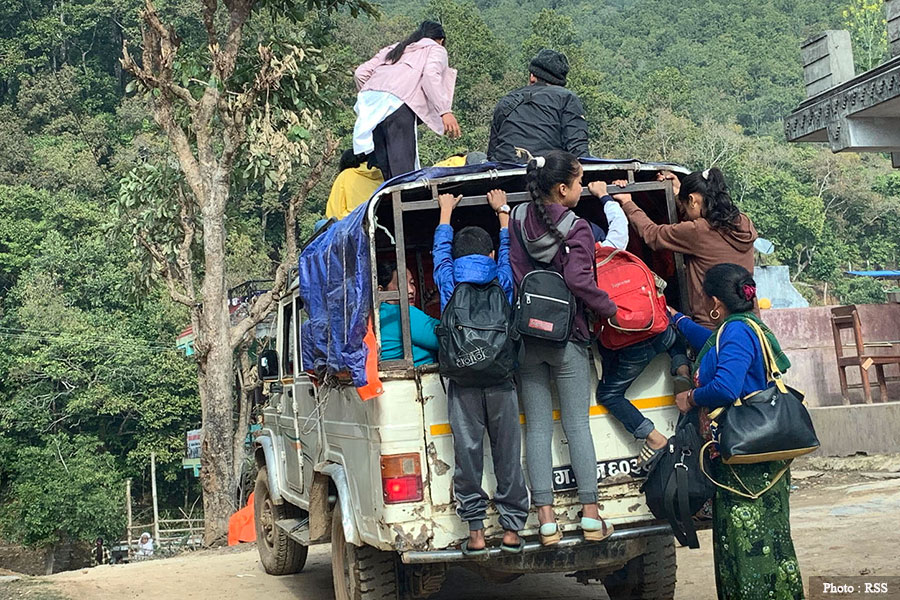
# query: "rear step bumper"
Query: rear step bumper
{"points": [[441, 556]]}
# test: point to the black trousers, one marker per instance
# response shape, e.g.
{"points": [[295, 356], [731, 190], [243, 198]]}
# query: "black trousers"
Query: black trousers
{"points": [[495, 409], [395, 143]]}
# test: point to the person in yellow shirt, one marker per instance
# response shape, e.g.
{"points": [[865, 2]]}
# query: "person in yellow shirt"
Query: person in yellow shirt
{"points": [[463, 159], [354, 185], [457, 160]]}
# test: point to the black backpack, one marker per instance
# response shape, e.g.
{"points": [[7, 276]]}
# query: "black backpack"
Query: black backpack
{"points": [[676, 489], [476, 341], [545, 307]]}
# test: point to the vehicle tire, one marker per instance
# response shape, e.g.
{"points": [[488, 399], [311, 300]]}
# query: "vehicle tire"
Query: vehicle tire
{"points": [[360, 572], [650, 576], [278, 553]]}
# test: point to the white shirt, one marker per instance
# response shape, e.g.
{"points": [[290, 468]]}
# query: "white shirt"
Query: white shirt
{"points": [[617, 236], [145, 548], [372, 107]]}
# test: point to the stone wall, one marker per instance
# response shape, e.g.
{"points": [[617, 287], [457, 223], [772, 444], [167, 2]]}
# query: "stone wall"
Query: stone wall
{"points": [[67, 556], [806, 336]]}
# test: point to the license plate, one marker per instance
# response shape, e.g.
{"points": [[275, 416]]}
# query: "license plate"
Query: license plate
{"points": [[564, 477]]}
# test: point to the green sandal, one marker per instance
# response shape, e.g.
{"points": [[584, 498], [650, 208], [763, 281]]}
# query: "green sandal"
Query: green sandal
{"points": [[472, 553]]}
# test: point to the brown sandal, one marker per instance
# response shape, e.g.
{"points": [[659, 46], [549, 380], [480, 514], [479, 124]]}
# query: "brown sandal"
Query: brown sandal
{"points": [[549, 539], [595, 530]]}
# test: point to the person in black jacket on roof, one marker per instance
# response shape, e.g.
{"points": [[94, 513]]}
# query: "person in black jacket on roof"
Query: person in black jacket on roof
{"points": [[541, 116]]}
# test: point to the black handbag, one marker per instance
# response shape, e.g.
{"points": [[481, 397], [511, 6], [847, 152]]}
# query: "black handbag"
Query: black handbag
{"points": [[676, 487], [772, 424]]}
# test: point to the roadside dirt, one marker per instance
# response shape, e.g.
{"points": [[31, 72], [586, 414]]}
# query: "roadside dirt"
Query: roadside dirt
{"points": [[843, 524]]}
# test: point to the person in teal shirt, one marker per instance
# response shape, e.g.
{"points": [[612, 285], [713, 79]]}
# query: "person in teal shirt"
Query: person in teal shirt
{"points": [[424, 339]]}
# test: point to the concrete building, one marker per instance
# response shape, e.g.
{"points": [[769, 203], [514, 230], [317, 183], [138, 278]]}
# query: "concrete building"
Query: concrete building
{"points": [[859, 113], [856, 113]]}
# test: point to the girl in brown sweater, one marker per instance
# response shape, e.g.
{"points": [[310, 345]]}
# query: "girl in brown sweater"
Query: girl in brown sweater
{"points": [[712, 231]]}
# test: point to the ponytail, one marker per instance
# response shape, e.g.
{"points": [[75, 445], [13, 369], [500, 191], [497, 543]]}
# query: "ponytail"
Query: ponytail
{"points": [[428, 29], [542, 174], [718, 207]]}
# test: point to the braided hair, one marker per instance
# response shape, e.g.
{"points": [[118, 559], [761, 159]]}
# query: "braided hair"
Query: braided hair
{"points": [[542, 174], [718, 208]]}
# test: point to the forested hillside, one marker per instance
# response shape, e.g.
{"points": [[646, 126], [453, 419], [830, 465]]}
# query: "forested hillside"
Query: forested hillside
{"points": [[90, 381]]}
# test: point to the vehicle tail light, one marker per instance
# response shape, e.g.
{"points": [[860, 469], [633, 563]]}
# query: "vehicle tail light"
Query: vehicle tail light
{"points": [[401, 478]]}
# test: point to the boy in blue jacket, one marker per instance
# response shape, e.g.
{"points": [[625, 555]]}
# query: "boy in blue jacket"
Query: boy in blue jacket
{"points": [[469, 257]]}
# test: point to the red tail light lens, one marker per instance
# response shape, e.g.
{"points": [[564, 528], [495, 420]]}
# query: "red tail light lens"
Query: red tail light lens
{"points": [[401, 478]]}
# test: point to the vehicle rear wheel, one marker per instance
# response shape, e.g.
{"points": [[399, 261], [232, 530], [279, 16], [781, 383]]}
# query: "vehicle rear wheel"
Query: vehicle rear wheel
{"points": [[278, 553], [360, 572], [650, 576]]}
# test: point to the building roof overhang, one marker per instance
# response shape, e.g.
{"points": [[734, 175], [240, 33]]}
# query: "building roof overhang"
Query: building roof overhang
{"points": [[859, 115]]}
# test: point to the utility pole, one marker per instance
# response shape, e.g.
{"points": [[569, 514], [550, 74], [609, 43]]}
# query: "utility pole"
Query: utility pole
{"points": [[128, 509], [155, 503]]}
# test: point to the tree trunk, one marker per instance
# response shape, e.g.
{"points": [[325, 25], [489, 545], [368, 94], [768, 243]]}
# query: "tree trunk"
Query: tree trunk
{"points": [[216, 375], [245, 399]]}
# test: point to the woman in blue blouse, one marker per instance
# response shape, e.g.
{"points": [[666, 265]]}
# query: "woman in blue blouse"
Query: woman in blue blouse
{"points": [[752, 547]]}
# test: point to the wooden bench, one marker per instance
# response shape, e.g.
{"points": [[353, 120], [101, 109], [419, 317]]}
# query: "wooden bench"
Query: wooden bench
{"points": [[847, 317]]}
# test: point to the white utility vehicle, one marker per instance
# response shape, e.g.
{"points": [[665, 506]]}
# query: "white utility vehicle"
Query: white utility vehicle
{"points": [[374, 478]]}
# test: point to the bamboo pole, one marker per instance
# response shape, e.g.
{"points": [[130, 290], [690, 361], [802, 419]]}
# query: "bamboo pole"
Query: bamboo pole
{"points": [[153, 488]]}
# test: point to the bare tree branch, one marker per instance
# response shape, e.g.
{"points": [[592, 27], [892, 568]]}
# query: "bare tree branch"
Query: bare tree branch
{"points": [[160, 46], [184, 250], [209, 21], [263, 304], [162, 264]]}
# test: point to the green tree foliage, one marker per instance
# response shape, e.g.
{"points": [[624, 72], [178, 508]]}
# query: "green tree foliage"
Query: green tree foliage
{"points": [[868, 29], [65, 489], [89, 376], [484, 75], [89, 381]]}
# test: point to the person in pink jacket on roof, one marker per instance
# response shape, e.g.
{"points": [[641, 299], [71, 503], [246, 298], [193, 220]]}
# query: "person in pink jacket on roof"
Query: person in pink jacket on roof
{"points": [[404, 84]]}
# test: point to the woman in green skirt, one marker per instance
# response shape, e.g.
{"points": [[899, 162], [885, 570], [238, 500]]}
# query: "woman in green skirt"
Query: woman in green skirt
{"points": [[752, 547]]}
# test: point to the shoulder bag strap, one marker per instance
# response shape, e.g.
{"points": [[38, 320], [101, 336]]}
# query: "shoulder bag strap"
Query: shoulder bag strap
{"points": [[748, 493], [525, 97], [772, 372], [518, 227], [681, 520]]}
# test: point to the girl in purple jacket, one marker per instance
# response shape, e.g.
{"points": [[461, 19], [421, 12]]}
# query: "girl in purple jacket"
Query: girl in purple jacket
{"points": [[554, 182], [403, 84]]}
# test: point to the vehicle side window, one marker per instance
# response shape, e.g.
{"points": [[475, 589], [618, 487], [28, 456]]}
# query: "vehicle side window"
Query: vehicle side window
{"points": [[301, 320], [287, 359]]}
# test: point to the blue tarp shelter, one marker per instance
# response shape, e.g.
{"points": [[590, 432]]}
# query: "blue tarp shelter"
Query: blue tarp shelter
{"points": [[876, 274]]}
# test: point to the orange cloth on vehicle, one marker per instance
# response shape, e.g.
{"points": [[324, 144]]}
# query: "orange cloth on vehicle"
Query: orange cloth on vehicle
{"points": [[373, 386], [241, 527]]}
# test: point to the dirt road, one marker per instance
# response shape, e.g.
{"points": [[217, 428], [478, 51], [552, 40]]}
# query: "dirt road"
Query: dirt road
{"points": [[843, 524]]}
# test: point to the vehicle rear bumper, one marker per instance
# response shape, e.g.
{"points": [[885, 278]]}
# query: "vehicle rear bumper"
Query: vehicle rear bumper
{"points": [[613, 549]]}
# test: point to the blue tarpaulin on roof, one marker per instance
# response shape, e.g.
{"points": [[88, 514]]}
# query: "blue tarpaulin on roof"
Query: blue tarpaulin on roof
{"points": [[336, 284], [437, 172], [336, 288]]}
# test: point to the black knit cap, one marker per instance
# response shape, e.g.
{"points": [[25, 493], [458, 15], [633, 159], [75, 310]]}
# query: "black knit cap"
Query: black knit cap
{"points": [[551, 66]]}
